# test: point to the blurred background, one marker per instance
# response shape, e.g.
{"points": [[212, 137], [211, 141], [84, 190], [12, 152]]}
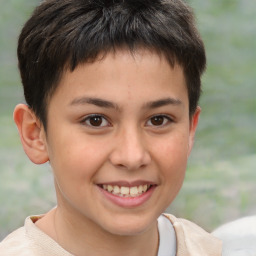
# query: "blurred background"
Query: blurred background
{"points": [[220, 184]]}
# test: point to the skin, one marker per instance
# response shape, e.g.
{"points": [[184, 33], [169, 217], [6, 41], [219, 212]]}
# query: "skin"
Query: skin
{"points": [[142, 133]]}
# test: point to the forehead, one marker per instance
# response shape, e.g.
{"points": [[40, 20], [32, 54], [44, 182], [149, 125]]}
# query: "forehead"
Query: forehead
{"points": [[121, 73]]}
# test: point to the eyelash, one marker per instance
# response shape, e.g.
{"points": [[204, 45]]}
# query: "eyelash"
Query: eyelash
{"points": [[164, 118], [102, 118]]}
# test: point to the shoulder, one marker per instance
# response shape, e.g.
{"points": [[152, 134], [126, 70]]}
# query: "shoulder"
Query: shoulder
{"points": [[16, 243], [30, 241], [193, 240]]}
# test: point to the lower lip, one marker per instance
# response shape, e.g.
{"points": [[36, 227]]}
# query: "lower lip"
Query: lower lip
{"points": [[128, 202]]}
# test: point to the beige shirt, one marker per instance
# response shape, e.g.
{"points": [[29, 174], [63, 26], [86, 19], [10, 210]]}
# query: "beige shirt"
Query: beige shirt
{"points": [[193, 240], [31, 241]]}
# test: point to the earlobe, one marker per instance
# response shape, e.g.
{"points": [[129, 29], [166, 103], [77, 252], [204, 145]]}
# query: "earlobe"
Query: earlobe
{"points": [[192, 130], [31, 133]]}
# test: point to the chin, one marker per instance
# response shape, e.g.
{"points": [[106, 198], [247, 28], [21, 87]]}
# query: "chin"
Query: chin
{"points": [[129, 227]]}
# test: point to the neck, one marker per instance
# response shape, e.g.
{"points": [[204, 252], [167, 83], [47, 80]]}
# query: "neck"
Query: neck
{"points": [[85, 238]]}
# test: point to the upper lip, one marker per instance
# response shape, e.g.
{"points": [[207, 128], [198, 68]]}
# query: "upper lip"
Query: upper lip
{"points": [[123, 183]]}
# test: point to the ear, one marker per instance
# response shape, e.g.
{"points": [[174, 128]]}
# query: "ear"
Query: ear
{"points": [[32, 134], [192, 130]]}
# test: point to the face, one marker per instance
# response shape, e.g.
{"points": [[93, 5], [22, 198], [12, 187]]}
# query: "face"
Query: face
{"points": [[118, 139]]}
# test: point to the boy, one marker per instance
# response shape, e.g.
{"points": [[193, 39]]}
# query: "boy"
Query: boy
{"points": [[112, 89]]}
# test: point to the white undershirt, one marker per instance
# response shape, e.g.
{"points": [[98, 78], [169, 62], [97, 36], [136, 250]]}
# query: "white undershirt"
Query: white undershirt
{"points": [[167, 237]]}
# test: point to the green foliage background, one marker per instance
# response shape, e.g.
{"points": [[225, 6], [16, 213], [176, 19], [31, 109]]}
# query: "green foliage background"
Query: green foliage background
{"points": [[221, 177]]}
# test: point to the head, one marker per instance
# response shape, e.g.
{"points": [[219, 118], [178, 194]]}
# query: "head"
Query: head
{"points": [[112, 89], [61, 35]]}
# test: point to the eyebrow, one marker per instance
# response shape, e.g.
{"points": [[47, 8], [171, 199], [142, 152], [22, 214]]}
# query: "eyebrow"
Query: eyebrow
{"points": [[108, 104], [162, 102], [94, 101]]}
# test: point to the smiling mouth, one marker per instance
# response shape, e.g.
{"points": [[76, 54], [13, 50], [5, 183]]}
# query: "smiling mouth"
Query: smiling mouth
{"points": [[123, 191]]}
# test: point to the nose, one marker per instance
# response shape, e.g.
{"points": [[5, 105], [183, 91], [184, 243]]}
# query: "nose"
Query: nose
{"points": [[130, 152]]}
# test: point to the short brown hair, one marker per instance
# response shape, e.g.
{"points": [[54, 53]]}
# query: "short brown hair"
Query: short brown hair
{"points": [[63, 34]]}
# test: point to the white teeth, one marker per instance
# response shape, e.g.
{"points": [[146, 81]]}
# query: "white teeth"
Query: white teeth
{"points": [[116, 190], [133, 191], [109, 188], [126, 191]]}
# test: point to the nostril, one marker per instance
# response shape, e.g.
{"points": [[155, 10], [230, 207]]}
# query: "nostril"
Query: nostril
{"points": [[130, 154], [120, 166]]}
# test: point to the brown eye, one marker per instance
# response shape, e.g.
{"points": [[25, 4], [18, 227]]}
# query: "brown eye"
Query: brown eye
{"points": [[159, 120], [96, 121]]}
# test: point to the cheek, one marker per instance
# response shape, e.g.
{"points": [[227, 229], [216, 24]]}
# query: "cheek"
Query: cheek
{"points": [[174, 150], [172, 169], [171, 157], [77, 158]]}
